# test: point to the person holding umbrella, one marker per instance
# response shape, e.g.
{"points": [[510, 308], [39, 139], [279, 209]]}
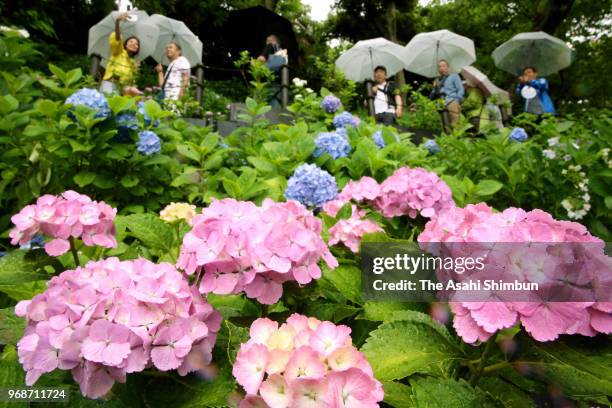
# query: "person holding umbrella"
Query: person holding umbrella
{"points": [[449, 87], [387, 103], [534, 91], [122, 67], [175, 82]]}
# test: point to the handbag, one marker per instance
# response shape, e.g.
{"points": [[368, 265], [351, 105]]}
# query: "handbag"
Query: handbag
{"points": [[277, 60]]}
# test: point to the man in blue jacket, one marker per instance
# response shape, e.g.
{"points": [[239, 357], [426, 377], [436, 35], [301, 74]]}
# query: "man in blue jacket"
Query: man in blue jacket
{"points": [[450, 88], [537, 99]]}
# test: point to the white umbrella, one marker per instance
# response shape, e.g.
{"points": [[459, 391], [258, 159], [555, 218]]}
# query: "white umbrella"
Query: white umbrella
{"points": [[425, 50], [476, 78], [171, 30], [141, 28], [358, 63], [538, 49]]}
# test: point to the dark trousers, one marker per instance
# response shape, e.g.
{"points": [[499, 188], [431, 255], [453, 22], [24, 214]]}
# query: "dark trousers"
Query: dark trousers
{"points": [[386, 118]]}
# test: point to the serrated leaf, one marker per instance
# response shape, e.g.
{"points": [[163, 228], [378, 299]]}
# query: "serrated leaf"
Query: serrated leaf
{"points": [[188, 151], [84, 178], [417, 344], [381, 311], [345, 212], [150, 230], [398, 395], [129, 181], [581, 370], [347, 279], [234, 305], [11, 326], [20, 266], [11, 373], [443, 393], [488, 187], [506, 394]]}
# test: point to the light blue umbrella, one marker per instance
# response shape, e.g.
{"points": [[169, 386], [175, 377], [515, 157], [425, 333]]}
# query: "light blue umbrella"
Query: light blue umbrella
{"points": [[171, 30]]}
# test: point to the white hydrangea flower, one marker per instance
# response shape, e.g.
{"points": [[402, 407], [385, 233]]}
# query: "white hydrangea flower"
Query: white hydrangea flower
{"points": [[549, 154], [553, 141]]}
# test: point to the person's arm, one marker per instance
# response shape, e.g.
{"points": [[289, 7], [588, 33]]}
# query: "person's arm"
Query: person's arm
{"points": [[160, 74], [541, 84], [118, 20], [434, 90], [398, 106]]}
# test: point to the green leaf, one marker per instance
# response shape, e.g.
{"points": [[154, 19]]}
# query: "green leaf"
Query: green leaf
{"points": [[608, 201], [582, 369], [11, 326], [73, 76], [397, 394], [262, 165], [150, 230], [84, 178], [443, 393], [11, 373], [345, 212], [190, 392], [232, 188], [488, 187], [129, 181], [20, 266], [507, 394], [58, 72], [416, 344], [330, 311], [382, 311], [153, 109], [24, 291], [188, 151], [8, 103], [251, 104], [234, 305], [347, 279]]}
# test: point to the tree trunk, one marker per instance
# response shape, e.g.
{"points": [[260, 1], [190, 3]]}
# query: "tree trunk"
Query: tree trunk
{"points": [[555, 12], [391, 19]]}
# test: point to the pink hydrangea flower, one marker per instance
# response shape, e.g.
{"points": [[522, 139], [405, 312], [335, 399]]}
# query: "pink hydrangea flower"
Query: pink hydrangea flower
{"points": [[110, 318], [235, 246], [61, 217], [350, 231], [413, 191], [304, 363], [476, 229]]}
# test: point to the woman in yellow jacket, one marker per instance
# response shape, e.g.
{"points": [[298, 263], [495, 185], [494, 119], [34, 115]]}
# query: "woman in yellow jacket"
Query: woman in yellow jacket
{"points": [[122, 67]]}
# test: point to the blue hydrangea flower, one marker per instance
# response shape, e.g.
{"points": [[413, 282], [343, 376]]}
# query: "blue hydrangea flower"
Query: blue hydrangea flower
{"points": [[378, 139], [148, 143], [330, 104], [36, 242], [518, 135], [432, 146], [311, 186], [127, 120], [147, 118], [334, 143], [92, 99], [2, 253], [345, 119]]}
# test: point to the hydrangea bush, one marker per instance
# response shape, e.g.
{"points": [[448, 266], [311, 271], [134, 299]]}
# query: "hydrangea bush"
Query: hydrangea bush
{"points": [[304, 363], [335, 144], [92, 99], [311, 186], [235, 246], [65, 217], [111, 318]]}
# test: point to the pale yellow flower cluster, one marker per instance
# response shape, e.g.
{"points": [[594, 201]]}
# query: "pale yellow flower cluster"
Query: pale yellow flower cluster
{"points": [[178, 211]]}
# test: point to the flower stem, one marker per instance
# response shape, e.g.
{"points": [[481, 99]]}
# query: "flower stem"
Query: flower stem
{"points": [[483, 359], [73, 250], [496, 366]]}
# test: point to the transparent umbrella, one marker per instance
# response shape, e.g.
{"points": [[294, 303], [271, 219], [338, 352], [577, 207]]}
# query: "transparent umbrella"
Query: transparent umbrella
{"points": [[425, 50], [175, 30], [538, 49], [358, 63], [140, 27]]}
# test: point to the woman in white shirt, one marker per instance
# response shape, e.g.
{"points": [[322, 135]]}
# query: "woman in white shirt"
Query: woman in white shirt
{"points": [[176, 80]]}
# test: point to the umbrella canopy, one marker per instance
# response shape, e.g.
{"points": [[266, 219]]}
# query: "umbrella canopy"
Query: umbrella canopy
{"points": [[247, 29], [425, 50], [475, 77], [171, 30], [146, 33], [358, 63], [538, 49]]}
